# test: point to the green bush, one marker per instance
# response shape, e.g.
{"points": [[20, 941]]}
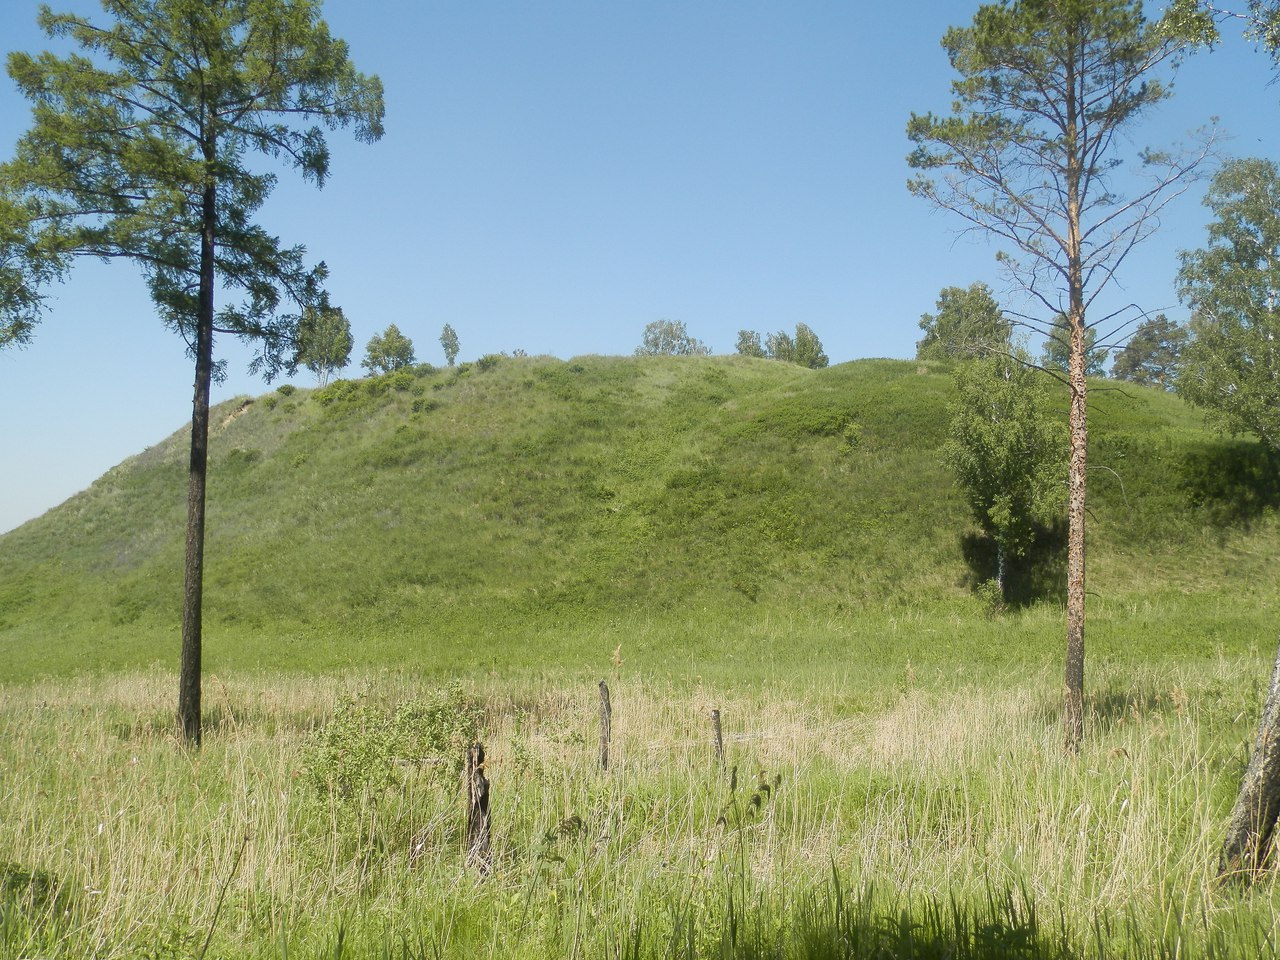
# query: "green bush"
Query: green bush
{"points": [[286, 389], [366, 748]]}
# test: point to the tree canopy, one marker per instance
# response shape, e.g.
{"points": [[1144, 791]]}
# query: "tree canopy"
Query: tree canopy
{"points": [[324, 341], [387, 351], [749, 345], [969, 322], [449, 343], [1007, 451], [139, 149], [669, 338], [1231, 366], [802, 348], [1153, 354]]}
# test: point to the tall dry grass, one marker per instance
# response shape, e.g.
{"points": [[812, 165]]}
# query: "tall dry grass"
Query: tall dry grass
{"points": [[937, 796]]}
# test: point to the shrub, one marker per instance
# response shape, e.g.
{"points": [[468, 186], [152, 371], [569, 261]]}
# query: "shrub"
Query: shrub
{"points": [[366, 748], [286, 389]]}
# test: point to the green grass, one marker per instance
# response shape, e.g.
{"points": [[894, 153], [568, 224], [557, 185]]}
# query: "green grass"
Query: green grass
{"points": [[531, 513], [781, 544], [917, 819]]}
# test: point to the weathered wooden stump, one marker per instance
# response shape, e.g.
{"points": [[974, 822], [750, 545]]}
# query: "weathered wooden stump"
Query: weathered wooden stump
{"points": [[606, 725], [718, 737], [479, 853]]}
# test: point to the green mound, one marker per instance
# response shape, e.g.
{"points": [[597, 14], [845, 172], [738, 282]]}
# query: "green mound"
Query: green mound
{"points": [[704, 513]]}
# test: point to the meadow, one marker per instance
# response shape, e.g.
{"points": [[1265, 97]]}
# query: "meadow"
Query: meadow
{"points": [[400, 565]]}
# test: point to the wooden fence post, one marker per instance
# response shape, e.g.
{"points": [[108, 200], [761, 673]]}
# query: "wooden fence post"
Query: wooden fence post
{"points": [[606, 725], [719, 738], [478, 849]]}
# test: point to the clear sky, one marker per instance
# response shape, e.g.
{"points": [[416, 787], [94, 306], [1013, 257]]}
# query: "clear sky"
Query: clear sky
{"points": [[555, 175]]}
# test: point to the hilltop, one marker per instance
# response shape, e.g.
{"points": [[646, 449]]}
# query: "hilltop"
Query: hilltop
{"points": [[530, 513]]}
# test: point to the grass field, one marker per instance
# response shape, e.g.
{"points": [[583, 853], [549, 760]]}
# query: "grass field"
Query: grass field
{"points": [[921, 818], [400, 564]]}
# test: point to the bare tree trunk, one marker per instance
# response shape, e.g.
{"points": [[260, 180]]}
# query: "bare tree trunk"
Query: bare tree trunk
{"points": [[1073, 685], [1253, 821], [193, 569]]}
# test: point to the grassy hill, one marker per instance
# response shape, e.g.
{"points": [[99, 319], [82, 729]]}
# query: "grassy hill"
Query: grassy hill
{"points": [[520, 514], [778, 544]]}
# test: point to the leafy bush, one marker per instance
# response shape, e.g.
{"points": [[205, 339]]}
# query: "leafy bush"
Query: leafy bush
{"points": [[366, 748], [286, 389]]}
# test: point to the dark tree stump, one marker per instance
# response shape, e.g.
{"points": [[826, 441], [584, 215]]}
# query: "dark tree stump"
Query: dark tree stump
{"points": [[479, 854], [606, 725]]}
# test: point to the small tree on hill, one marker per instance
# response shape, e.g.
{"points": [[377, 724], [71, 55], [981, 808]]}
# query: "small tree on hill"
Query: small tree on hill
{"points": [[449, 341], [749, 344], [969, 322], [1153, 354], [1007, 451], [387, 351], [803, 348], [324, 341], [807, 348], [669, 338]]}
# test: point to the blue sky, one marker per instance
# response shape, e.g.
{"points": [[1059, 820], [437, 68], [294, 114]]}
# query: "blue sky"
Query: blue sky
{"points": [[556, 175]]}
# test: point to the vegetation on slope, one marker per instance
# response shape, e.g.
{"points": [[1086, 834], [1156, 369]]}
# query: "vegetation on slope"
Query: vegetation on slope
{"points": [[529, 512]]}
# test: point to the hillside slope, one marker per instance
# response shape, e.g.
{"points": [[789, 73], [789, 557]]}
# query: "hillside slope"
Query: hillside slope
{"points": [[526, 512]]}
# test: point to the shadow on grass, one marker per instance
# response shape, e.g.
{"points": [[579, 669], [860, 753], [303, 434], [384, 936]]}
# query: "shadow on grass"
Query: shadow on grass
{"points": [[1233, 482], [833, 924], [1040, 575]]}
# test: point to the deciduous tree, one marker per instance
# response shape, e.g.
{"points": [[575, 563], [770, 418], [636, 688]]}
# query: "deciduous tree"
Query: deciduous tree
{"points": [[802, 348], [749, 344], [139, 150], [1048, 93], [969, 322], [449, 342], [324, 341], [387, 351], [669, 338], [1231, 366], [1007, 452], [807, 348]]}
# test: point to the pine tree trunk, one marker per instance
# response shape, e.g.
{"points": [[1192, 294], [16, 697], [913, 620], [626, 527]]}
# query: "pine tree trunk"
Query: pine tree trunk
{"points": [[1253, 821], [193, 570], [1073, 681]]}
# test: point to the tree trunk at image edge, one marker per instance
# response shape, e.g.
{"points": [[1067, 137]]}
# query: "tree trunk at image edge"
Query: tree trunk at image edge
{"points": [[1253, 820], [193, 570], [1073, 685]]}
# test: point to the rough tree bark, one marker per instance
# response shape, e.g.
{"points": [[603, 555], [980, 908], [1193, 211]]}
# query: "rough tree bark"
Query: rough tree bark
{"points": [[193, 569], [1253, 821]]}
